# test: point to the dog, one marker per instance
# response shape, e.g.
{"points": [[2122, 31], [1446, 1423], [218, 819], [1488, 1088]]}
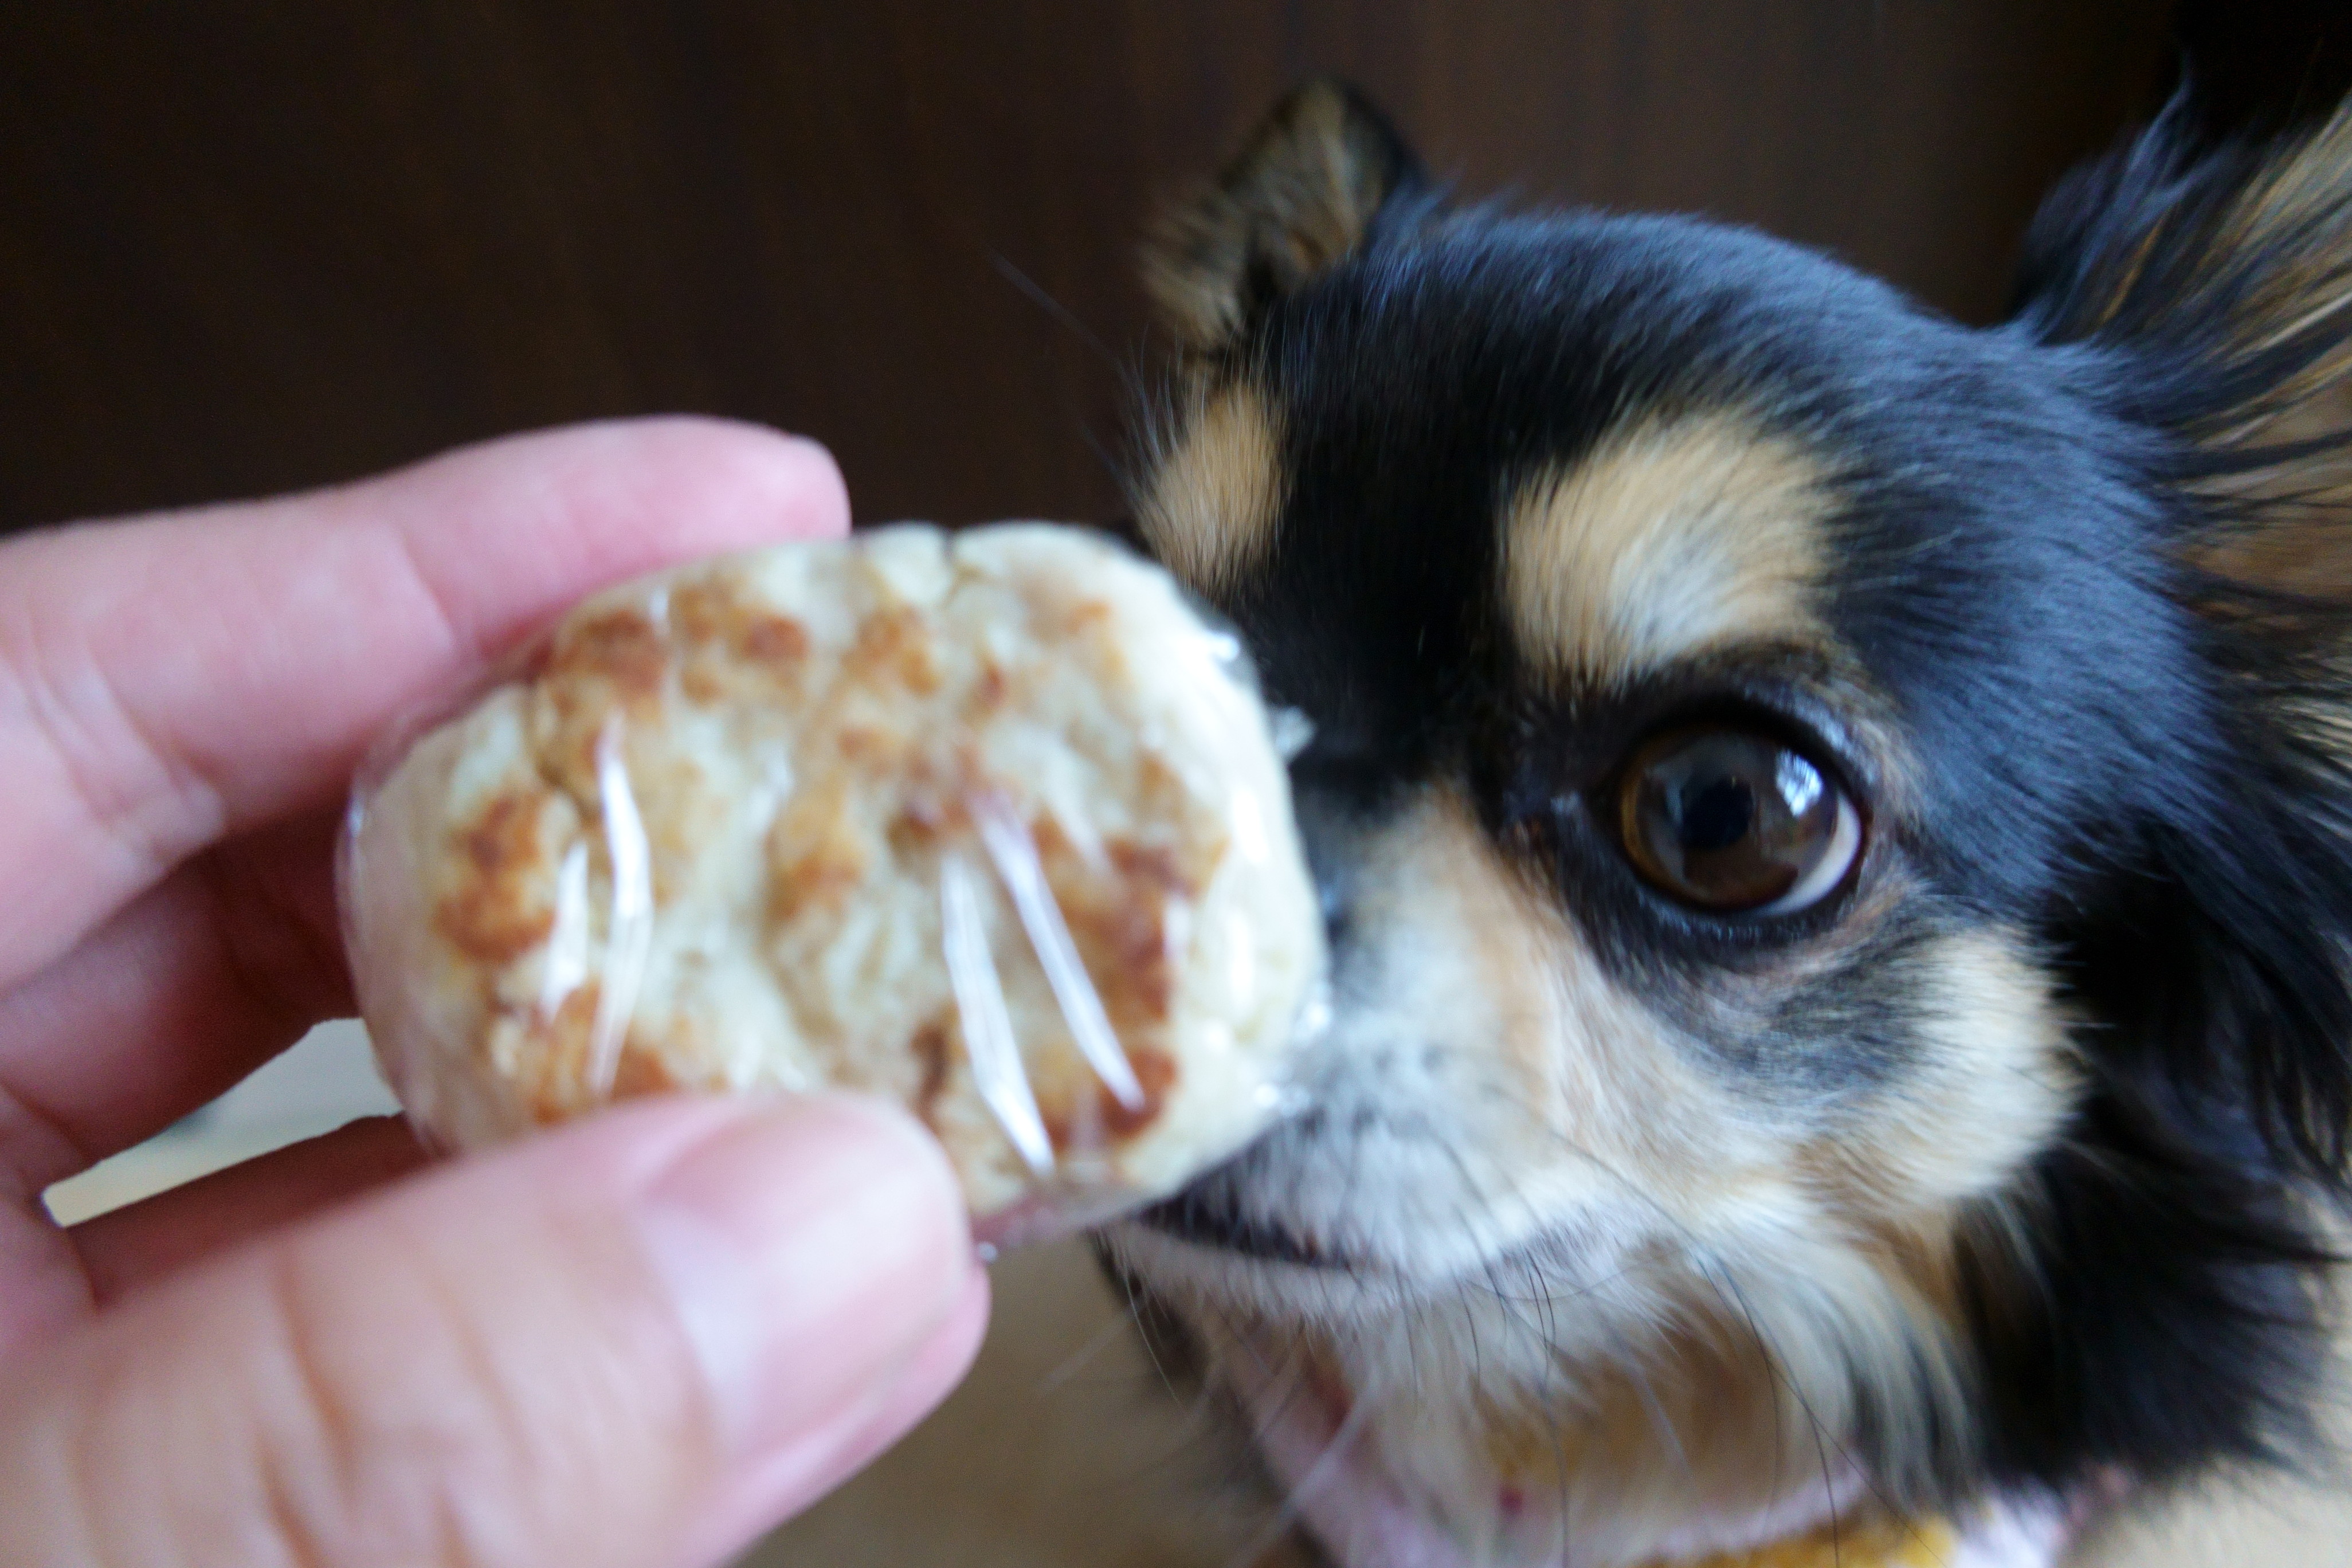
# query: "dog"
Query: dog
{"points": [[1835, 833]]}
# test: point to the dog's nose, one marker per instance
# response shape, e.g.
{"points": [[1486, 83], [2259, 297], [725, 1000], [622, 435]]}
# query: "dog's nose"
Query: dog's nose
{"points": [[1324, 839], [1330, 812]]}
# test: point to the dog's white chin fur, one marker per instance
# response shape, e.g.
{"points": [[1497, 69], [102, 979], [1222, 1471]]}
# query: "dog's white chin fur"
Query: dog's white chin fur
{"points": [[1367, 1519], [1325, 1447]]}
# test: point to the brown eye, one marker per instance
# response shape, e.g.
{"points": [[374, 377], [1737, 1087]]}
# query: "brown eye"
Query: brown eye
{"points": [[1736, 822]]}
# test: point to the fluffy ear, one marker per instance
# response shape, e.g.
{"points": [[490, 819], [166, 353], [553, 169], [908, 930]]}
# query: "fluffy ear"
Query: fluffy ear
{"points": [[2204, 301], [1319, 177], [2220, 284], [2159, 1308]]}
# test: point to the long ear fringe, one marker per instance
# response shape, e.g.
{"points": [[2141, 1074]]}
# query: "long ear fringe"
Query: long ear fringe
{"points": [[2167, 1311], [2224, 279], [2163, 1316], [2205, 299], [2265, 864], [2163, 1308], [2212, 293]]}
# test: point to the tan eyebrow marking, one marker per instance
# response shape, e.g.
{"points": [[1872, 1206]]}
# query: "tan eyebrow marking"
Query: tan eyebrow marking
{"points": [[1210, 511], [1671, 539]]}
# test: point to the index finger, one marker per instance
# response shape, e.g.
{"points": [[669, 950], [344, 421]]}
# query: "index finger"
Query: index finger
{"points": [[167, 681]]}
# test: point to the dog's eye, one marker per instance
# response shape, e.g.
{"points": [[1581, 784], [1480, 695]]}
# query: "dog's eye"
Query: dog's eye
{"points": [[1734, 821]]}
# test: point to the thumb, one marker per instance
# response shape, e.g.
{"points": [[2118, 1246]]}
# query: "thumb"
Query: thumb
{"points": [[638, 1340]]}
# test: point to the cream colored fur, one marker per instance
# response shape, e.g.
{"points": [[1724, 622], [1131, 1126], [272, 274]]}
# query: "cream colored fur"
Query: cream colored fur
{"points": [[1587, 1271], [1066, 1450]]}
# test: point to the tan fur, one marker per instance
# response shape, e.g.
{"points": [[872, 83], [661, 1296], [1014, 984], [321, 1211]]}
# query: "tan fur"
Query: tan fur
{"points": [[2300, 210], [2296, 208], [1991, 1090], [2280, 523], [1670, 541], [2293, 540], [1607, 1287], [1297, 200], [2299, 200], [1740, 1269], [1210, 512], [1112, 1467]]}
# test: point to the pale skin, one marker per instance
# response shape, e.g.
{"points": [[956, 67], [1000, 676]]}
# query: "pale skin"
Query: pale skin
{"points": [[638, 1340]]}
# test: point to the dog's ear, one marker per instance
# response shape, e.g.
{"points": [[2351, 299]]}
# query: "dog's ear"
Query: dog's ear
{"points": [[1316, 183], [2202, 300], [2158, 1309], [2213, 288]]}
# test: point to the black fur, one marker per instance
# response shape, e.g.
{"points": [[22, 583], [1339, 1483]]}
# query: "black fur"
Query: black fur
{"points": [[2115, 743], [2172, 1313]]}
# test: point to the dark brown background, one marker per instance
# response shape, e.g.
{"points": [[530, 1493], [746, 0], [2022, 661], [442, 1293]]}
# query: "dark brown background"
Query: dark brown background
{"points": [[247, 247]]}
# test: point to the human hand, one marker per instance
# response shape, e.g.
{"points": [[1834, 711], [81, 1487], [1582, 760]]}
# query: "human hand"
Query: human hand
{"points": [[637, 1341]]}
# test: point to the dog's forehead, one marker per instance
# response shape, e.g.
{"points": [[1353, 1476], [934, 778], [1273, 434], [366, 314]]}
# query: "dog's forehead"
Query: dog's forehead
{"points": [[1577, 451], [1574, 440]]}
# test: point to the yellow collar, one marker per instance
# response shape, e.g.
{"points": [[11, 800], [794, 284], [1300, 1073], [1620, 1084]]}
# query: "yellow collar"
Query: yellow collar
{"points": [[1928, 1544]]}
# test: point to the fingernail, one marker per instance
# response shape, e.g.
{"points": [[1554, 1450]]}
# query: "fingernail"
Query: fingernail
{"points": [[812, 1247]]}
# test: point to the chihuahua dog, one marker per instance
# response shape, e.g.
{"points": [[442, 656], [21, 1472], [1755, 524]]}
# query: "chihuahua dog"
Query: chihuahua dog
{"points": [[1835, 829]]}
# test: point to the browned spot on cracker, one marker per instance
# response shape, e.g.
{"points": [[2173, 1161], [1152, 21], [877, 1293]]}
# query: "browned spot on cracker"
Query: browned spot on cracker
{"points": [[894, 644], [818, 853], [702, 610], [1119, 920], [1155, 1073], [919, 825], [567, 719], [1053, 844], [865, 743], [1124, 946], [556, 1073], [773, 639], [642, 1070], [553, 1075], [1154, 864], [1162, 795], [1080, 1112], [1055, 1119], [931, 1047], [715, 613], [821, 876], [621, 645], [500, 908]]}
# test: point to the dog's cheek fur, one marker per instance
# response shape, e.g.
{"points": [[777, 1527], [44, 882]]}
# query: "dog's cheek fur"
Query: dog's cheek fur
{"points": [[1596, 1273], [1482, 1078]]}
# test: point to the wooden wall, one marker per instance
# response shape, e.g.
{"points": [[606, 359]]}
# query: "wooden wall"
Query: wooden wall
{"points": [[245, 247]]}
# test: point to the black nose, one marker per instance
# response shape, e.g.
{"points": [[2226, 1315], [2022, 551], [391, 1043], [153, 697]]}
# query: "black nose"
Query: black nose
{"points": [[1325, 840], [1333, 797]]}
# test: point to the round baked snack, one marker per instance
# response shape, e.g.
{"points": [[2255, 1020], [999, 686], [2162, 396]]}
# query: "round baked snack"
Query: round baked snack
{"points": [[991, 824]]}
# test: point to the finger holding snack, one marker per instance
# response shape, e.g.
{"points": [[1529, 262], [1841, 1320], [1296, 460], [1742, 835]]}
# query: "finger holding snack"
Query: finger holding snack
{"points": [[640, 1339]]}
